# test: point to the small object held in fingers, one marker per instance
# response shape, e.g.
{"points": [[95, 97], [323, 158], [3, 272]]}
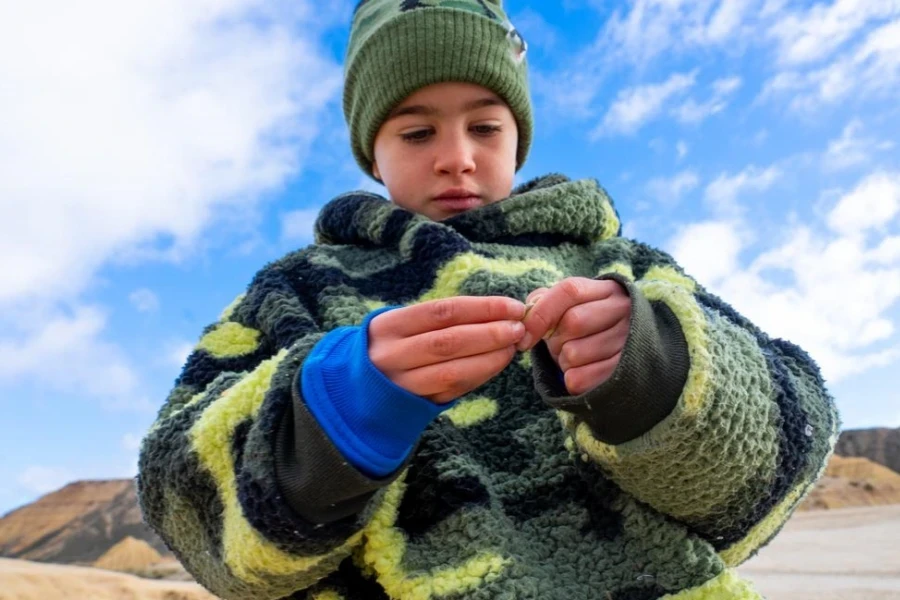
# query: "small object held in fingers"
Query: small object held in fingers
{"points": [[528, 308]]}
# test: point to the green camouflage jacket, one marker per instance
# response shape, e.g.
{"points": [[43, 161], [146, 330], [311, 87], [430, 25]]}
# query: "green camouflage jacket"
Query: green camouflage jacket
{"points": [[654, 485]]}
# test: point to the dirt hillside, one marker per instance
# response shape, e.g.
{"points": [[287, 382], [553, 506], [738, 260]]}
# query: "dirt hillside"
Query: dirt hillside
{"points": [[129, 555], [880, 445], [76, 524], [851, 482]]}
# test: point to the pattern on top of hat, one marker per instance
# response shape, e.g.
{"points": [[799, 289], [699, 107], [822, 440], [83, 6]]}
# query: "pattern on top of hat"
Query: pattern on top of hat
{"points": [[482, 7]]}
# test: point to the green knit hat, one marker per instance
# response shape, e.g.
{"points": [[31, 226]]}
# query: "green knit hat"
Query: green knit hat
{"points": [[399, 46]]}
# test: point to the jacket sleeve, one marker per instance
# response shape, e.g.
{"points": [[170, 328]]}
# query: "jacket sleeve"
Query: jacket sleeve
{"points": [[236, 475], [706, 418]]}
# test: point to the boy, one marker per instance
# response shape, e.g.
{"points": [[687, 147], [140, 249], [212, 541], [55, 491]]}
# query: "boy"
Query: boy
{"points": [[474, 392]]}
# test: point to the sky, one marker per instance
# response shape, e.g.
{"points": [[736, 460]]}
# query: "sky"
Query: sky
{"points": [[154, 154]]}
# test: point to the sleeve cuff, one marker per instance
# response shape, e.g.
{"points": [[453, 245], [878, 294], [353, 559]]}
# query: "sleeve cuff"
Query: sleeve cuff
{"points": [[373, 422], [646, 384]]}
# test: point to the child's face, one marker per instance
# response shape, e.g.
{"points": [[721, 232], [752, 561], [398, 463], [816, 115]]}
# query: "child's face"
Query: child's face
{"points": [[447, 148]]}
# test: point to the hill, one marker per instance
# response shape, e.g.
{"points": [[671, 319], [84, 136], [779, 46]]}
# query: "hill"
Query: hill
{"points": [[130, 555], [880, 445], [76, 524], [852, 481]]}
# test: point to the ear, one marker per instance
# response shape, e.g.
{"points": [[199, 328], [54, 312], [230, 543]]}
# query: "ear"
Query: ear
{"points": [[375, 171]]}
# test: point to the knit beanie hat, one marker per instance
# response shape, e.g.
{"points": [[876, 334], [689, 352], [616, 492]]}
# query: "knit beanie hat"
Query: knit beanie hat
{"points": [[399, 46]]}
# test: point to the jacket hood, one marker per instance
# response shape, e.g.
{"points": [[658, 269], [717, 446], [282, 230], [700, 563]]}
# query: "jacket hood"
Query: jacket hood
{"points": [[545, 211]]}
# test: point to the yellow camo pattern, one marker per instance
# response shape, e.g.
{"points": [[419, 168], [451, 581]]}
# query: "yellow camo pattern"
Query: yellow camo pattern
{"points": [[454, 273], [229, 310], [619, 268], [473, 411], [384, 548], [247, 554], [726, 586], [229, 339], [693, 323], [611, 223]]}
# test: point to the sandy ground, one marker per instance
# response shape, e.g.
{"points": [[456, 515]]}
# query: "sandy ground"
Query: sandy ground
{"points": [[22, 580], [845, 554]]}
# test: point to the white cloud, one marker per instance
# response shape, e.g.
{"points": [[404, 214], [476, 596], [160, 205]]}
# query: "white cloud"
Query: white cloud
{"points": [[852, 148], [693, 244], [692, 111], [132, 129], [726, 85], [722, 192], [651, 28], [671, 190], [860, 38], [64, 351], [681, 148], [873, 204], [297, 226], [179, 352], [140, 121], [870, 70], [727, 20], [635, 106], [40, 480], [829, 290], [814, 34], [144, 300]]}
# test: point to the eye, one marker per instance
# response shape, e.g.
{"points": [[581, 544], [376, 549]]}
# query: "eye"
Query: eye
{"points": [[416, 137], [486, 130]]}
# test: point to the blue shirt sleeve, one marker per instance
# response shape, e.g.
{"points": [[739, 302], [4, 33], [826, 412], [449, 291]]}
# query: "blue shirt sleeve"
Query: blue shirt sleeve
{"points": [[372, 422]]}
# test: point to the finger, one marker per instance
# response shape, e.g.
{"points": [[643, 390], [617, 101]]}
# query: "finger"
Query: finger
{"points": [[590, 349], [589, 318], [583, 379], [534, 295], [545, 315], [449, 344], [447, 381], [439, 314]]}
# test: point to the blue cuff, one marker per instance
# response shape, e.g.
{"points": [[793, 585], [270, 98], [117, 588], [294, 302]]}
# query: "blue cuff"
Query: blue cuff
{"points": [[372, 422]]}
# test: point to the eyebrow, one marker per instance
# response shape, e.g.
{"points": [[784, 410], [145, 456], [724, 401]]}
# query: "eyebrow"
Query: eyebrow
{"points": [[421, 109]]}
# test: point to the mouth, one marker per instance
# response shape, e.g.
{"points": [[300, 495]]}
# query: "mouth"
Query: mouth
{"points": [[458, 199], [459, 204]]}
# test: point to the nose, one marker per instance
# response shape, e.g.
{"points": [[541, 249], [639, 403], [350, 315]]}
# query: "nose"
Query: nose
{"points": [[455, 155]]}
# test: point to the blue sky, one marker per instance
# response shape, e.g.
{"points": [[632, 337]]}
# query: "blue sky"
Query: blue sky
{"points": [[155, 154]]}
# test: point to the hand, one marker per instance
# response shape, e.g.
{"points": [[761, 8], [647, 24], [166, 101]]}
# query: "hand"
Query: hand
{"points": [[585, 323], [443, 349]]}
